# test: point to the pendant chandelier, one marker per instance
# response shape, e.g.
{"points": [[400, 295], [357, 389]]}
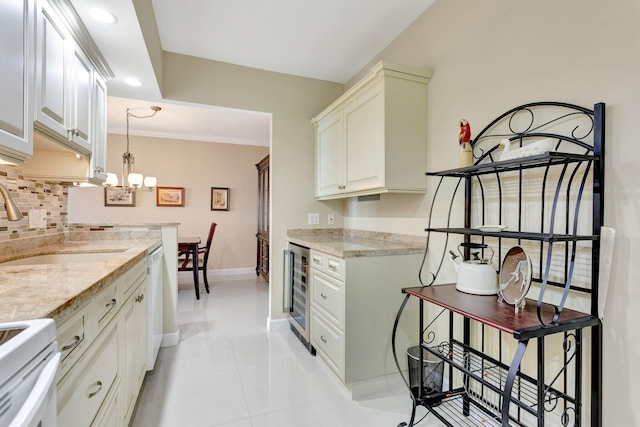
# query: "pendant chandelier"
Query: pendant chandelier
{"points": [[134, 181]]}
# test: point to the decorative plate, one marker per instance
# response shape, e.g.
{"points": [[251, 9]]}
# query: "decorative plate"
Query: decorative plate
{"points": [[491, 228], [515, 276]]}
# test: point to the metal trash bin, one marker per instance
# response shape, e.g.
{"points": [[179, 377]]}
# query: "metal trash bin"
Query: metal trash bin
{"points": [[433, 371]]}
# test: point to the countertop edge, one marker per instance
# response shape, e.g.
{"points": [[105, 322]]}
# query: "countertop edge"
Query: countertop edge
{"points": [[337, 242]]}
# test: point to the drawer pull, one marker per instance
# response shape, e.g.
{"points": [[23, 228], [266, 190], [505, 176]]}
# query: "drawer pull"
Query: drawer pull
{"points": [[324, 340], [323, 296], [139, 298], [316, 260], [332, 267], [72, 345], [97, 387], [111, 303]]}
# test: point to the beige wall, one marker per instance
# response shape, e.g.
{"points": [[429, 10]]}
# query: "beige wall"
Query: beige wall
{"points": [[292, 101], [196, 166], [492, 55]]}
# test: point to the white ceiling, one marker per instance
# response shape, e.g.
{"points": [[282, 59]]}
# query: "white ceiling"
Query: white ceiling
{"points": [[189, 121], [329, 40]]}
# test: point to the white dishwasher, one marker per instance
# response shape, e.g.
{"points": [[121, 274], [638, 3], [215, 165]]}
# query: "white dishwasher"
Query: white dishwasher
{"points": [[154, 308]]}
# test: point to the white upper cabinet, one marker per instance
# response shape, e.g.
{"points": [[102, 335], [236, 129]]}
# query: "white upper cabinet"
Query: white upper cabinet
{"points": [[52, 51], [329, 155], [16, 79], [364, 137], [98, 171], [373, 139], [70, 99], [64, 78], [81, 91]]}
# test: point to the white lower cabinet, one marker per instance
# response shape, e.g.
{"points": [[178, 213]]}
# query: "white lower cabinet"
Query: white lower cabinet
{"points": [[110, 414], [328, 341], [134, 323], [353, 308], [103, 349], [84, 389]]}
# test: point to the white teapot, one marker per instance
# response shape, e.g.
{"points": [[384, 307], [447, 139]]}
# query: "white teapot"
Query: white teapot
{"points": [[475, 276]]}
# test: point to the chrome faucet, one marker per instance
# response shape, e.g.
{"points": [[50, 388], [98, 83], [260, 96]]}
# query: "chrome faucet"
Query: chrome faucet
{"points": [[13, 213]]}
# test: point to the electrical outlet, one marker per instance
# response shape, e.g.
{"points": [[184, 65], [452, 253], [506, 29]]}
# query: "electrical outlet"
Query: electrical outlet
{"points": [[331, 219], [314, 218]]}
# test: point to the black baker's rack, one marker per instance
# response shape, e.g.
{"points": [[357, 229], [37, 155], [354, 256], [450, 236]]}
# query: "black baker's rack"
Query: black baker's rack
{"points": [[493, 387]]}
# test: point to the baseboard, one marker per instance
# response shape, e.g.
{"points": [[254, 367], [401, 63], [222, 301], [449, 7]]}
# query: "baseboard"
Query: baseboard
{"points": [[390, 383], [231, 272], [169, 340], [277, 324], [225, 272]]}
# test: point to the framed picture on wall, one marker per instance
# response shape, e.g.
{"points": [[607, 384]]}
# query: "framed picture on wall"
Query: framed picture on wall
{"points": [[169, 196], [219, 199], [116, 196]]}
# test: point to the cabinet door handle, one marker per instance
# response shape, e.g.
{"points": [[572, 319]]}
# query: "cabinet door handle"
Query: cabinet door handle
{"points": [[139, 298], [73, 344], [111, 303], [96, 389], [324, 340], [99, 169], [323, 296], [73, 132]]}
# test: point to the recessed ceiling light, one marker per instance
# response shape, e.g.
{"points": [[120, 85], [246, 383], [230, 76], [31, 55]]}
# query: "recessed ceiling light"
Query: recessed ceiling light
{"points": [[102, 15], [132, 81]]}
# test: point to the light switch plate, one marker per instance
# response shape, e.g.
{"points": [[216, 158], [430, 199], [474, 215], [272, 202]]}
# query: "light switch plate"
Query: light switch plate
{"points": [[34, 218], [314, 218]]}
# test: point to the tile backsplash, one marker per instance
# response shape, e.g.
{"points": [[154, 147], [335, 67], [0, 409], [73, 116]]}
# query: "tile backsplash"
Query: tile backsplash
{"points": [[29, 194]]}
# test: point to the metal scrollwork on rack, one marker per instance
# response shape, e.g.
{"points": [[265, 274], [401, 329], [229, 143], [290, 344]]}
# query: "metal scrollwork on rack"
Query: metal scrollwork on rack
{"points": [[567, 415], [570, 346], [577, 135]]}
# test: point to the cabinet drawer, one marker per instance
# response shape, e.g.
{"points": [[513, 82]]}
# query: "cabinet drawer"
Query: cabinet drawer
{"points": [[81, 394], [333, 266], [328, 294], [105, 306], [72, 340], [318, 260], [328, 341], [131, 279], [109, 415]]}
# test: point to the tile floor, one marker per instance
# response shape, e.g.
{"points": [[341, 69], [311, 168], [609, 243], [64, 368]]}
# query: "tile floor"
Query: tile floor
{"points": [[229, 371]]}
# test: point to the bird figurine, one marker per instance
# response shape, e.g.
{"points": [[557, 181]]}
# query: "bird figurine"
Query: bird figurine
{"points": [[465, 132], [531, 149], [465, 158]]}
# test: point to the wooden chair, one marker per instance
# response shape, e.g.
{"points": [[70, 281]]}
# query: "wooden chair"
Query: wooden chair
{"points": [[187, 264]]}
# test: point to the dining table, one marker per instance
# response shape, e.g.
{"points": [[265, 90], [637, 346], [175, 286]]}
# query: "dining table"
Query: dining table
{"points": [[190, 246]]}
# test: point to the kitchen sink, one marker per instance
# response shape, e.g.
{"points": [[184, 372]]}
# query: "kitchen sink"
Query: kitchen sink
{"points": [[63, 258]]}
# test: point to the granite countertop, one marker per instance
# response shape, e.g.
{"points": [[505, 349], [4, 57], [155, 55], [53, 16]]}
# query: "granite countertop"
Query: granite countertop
{"points": [[58, 290], [345, 243]]}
